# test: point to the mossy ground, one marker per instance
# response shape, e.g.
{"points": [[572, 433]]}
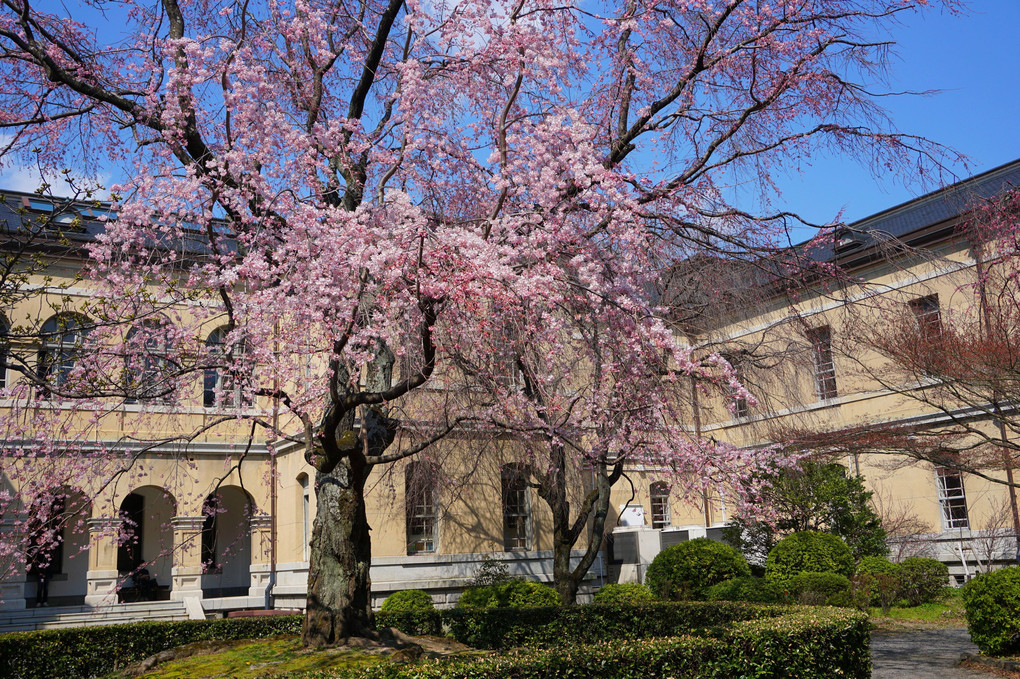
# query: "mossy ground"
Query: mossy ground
{"points": [[276, 656]]}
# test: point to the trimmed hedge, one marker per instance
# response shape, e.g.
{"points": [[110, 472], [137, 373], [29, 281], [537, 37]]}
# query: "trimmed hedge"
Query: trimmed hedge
{"points": [[808, 550], [751, 589], [510, 594], [85, 652], [880, 577], [815, 589], [686, 570], [820, 643], [921, 580], [411, 611], [992, 602], [614, 642], [876, 565], [407, 601], [623, 593], [503, 628], [415, 623]]}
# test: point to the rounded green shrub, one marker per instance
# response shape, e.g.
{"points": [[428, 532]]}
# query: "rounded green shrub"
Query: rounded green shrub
{"points": [[875, 565], [992, 602], [623, 593], [510, 594], [809, 551], [686, 570], [816, 589], [478, 597], [881, 578], [753, 589], [528, 594], [407, 601], [922, 580]]}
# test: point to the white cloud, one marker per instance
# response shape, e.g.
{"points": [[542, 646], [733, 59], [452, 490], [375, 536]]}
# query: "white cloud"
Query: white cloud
{"points": [[15, 177]]}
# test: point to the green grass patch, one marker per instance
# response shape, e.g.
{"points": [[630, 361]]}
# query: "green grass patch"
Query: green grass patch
{"points": [[948, 612], [276, 656]]}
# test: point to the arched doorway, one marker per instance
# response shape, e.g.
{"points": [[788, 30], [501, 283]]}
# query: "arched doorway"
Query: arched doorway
{"points": [[57, 548], [226, 543], [147, 538]]}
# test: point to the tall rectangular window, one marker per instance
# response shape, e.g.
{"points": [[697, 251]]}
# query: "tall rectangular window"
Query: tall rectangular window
{"points": [[420, 508], [515, 508], [659, 492], [739, 405], [825, 369], [927, 315], [952, 498]]}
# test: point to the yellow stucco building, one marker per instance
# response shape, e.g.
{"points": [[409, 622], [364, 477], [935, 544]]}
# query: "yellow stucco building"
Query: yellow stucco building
{"points": [[804, 358]]}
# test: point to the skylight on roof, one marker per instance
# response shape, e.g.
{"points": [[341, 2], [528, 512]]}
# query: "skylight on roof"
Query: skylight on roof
{"points": [[39, 205], [99, 213]]}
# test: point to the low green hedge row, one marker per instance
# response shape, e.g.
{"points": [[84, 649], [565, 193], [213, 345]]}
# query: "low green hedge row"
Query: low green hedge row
{"points": [[504, 628], [623, 593], [687, 657], [605, 641], [84, 652], [415, 623], [809, 643]]}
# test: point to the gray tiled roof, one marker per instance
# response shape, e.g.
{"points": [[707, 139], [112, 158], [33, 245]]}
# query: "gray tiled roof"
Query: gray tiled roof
{"points": [[930, 209]]}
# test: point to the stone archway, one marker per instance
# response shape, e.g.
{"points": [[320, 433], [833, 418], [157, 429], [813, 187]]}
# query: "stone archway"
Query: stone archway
{"points": [[58, 543], [226, 543], [147, 536]]}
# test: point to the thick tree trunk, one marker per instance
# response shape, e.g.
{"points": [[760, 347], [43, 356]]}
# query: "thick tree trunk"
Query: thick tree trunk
{"points": [[339, 593], [564, 579], [566, 532], [339, 585]]}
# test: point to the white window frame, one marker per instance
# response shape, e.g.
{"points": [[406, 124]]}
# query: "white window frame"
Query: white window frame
{"points": [[951, 498], [658, 493], [421, 512], [825, 367], [517, 514]]}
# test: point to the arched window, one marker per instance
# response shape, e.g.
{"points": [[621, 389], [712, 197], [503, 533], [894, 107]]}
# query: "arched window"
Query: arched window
{"points": [[420, 508], [62, 338], [659, 492], [220, 387], [147, 375]]}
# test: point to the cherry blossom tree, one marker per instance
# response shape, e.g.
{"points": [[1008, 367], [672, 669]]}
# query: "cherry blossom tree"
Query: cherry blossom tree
{"points": [[586, 389], [358, 193]]}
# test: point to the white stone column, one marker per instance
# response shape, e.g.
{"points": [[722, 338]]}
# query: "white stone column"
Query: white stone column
{"points": [[186, 574], [102, 578], [261, 536], [12, 568]]}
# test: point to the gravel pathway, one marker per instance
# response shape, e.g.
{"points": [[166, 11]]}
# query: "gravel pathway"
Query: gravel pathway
{"points": [[927, 654]]}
